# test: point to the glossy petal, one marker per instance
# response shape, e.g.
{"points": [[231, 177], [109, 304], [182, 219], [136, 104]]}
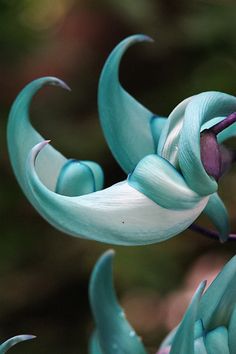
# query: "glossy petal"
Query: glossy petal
{"points": [[114, 332], [199, 346], [232, 331], [77, 178], [169, 138], [218, 214], [217, 341], [94, 345], [22, 137], [4, 347], [201, 108], [183, 341], [126, 123], [218, 302], [119, 214], [161, 182]]}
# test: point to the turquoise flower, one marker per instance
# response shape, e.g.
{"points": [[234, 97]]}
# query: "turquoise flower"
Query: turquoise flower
{"points": [[4, 347], [167, 186], [208, 326]]}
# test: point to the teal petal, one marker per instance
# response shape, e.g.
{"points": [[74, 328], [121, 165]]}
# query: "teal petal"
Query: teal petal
{"points": [[78, 178], [199, 346], [94, 345], [126, 123], [169, 139], [114, 332], [232, 331], [161, 182], [218, 214], [119, 214], [4, 347], [217, 341], [198, 333], [157, 126], [22, 137], [183, 341], [201, 108], [218, 302]]}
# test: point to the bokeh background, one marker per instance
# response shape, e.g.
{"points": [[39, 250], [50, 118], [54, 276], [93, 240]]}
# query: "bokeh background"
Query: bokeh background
{"points": [[44, 273]]}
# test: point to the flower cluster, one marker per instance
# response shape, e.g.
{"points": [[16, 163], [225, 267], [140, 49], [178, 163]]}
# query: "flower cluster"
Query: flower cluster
{"points": [[173, 166], [166, 161], [208, 326]]}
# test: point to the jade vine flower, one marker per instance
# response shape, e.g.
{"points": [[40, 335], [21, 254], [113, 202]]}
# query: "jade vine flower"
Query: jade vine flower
{"points": [[208, 326], [167, 186], [4, 347]]}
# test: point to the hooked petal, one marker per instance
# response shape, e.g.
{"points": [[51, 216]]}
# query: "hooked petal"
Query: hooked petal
{"points": [[218, 214], [201, 108], [113, 330], [183, 341], [119, 214], [22, 137], [126, 123], [4, 347]]}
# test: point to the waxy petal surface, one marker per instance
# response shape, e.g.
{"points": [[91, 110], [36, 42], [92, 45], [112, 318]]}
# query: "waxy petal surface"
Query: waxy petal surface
{"points": [[127, 125], [22, 137], [114, 332], [183, 341], [119, 214], [4, 347], [218, 302]]}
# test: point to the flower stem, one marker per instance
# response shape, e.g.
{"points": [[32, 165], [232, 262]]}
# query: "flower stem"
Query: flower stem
{"points": [[209, 233], [225, 123]]}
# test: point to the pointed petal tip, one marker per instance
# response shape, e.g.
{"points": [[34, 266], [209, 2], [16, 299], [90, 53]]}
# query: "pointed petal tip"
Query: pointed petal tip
{"points": [[24, 337], [60, 83], [144, 37], [37, 148], [106, 258], [50, 80], [202, 285]]}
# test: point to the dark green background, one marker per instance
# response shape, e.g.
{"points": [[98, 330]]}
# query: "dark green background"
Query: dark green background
{"points": [[44, 273]]}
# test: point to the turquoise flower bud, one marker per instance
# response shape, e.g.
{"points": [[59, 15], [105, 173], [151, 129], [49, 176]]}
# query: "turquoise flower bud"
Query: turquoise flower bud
{"points": [[167, 186]]}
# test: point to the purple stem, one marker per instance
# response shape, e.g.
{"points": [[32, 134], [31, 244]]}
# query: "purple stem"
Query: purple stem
{"points": [[209, 233], [225, 123]]}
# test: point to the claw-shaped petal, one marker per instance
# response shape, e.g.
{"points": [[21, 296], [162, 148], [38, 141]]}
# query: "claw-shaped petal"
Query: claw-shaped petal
{"points": [[129, 128], [51, 164], [4, 347], [113, 331], [217, 213], [183, 343]]}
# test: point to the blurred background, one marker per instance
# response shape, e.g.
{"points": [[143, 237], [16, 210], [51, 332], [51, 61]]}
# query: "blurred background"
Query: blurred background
{"points": [[44, 273]]}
